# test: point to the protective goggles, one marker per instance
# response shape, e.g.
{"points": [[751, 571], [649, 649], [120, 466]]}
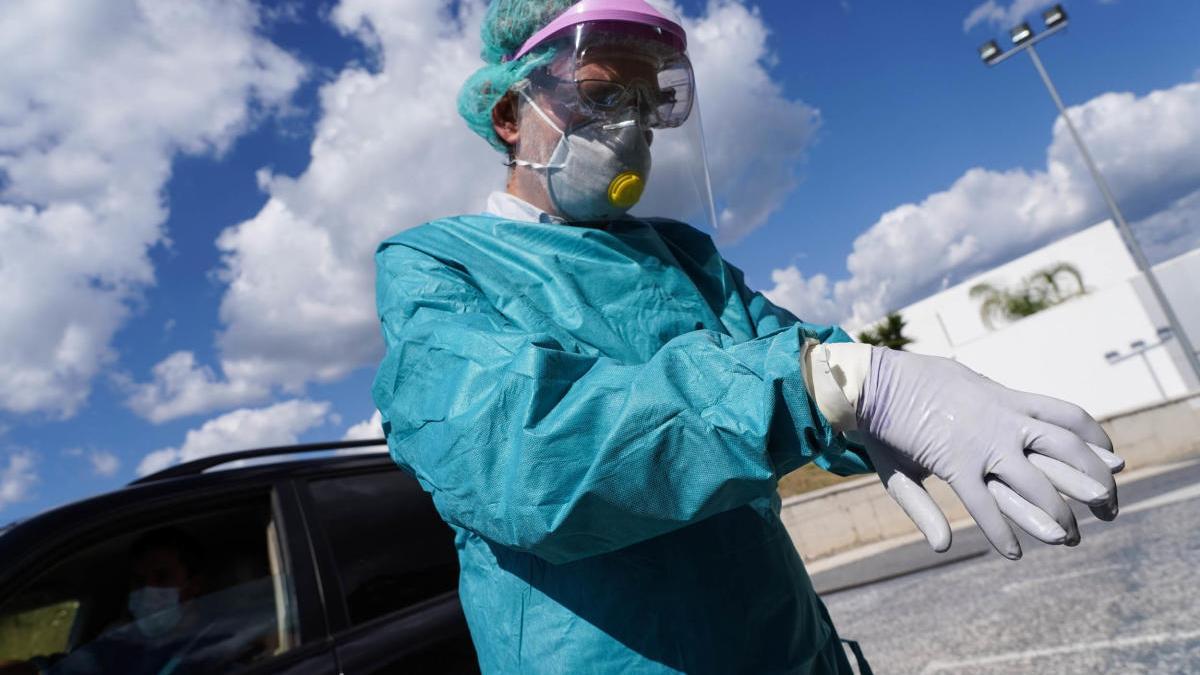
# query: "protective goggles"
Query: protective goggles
{"points": [[663, 98]]}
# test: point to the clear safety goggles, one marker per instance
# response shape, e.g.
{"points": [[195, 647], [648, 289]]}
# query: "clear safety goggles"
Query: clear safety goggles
{"points": [[664, 102], [650, 74]]}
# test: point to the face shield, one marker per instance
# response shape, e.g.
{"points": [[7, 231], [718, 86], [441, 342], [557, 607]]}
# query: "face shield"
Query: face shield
{"points": [[620, 98]]}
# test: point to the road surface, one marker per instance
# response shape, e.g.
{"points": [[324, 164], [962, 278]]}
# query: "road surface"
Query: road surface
{"points": [[1127, 600]]}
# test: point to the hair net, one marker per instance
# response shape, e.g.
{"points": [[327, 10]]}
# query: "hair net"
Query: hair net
{"points": [[506, 26]]}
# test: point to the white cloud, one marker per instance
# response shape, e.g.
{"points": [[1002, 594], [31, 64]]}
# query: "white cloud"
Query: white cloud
{"points": [[756, 137], [97, 97], [181, 387], [1172, 230], [390, 153], [104, 463], [278, 424], [17, 478], [1147, 147], [367, 429], [1003, 16], [808, 298]]}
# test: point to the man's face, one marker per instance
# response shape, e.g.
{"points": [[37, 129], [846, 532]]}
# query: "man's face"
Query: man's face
{"points": [[161, 568]]}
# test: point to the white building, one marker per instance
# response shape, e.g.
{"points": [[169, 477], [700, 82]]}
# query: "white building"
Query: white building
{"points": [[1085, 350]]}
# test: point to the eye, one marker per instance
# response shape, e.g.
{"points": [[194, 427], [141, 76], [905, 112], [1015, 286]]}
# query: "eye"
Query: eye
{"points": [[601, 93]]}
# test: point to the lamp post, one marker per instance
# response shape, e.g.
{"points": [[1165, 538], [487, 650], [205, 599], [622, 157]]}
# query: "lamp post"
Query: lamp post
{"points": [[1139, 348], [1023, 39]]}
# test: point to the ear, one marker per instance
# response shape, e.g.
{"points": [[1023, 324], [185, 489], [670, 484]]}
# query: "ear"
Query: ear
{"points": [[504, 119]]}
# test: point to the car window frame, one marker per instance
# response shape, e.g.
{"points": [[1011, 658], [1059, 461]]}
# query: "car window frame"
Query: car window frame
{"points": [[388, 642], [337, 607]]}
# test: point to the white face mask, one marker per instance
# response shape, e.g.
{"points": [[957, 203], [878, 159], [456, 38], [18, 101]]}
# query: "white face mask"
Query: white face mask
{"points": [[598, 170], [156, 609]]}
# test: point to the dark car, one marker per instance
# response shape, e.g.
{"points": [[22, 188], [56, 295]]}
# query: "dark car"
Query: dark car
{"points": [[320, 564]]}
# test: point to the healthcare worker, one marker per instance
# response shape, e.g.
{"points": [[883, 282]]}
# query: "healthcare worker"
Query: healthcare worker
{"points": [[601, 409]]}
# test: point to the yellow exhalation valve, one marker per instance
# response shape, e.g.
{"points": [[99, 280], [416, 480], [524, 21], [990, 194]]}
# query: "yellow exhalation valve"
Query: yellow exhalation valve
{"points": [[626, 189]]}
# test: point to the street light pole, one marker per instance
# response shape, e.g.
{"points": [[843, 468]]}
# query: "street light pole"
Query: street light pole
{"points": [[1025, 40]]}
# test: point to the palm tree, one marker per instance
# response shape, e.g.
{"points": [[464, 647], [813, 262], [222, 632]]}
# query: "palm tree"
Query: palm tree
{"points": [[887, 333], [1041, 290]]}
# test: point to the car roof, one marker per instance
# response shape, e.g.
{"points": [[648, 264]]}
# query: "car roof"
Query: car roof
{"points": [[193, 477]]}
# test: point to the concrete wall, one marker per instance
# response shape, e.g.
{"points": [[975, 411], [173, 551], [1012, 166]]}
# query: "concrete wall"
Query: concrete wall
{"points": [[860, 512], [1061, 352], [949, 318]]}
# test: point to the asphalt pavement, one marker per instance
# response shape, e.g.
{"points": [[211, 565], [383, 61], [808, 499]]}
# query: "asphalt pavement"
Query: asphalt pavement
{"points": [[1127, 600]]}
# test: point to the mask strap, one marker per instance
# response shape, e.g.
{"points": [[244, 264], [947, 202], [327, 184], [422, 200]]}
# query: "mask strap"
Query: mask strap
{"points": [[545, 118]]}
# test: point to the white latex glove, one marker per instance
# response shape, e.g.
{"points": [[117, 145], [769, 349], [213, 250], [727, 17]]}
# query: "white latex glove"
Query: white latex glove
{"points": [[1004, 452]]}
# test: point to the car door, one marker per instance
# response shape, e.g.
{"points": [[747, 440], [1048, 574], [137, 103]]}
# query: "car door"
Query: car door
{"points": [[392, 562], [204, 576]]}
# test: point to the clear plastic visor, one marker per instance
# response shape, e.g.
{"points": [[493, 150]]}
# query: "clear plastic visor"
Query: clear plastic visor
{"points": [[602, 71]]}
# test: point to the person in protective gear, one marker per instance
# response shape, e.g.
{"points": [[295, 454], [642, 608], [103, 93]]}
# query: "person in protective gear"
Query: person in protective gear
{"points": [[601, 408]]}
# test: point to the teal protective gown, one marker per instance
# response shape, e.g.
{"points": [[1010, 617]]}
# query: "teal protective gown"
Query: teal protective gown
{"points": [[602, 416]]}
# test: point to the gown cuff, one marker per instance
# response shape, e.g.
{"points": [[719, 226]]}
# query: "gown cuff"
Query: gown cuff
{"points": [[835, 373]]}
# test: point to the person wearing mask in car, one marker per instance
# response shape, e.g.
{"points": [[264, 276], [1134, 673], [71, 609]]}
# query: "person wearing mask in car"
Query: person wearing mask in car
{"points": [[163, 631], [602, 409]]}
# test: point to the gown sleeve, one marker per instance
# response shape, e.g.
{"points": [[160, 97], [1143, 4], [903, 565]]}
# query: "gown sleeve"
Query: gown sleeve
{"points": [[843, 456], [568, 455]]}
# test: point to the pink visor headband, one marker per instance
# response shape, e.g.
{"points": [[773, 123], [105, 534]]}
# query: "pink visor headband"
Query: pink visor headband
{"points": [[636, 12]]}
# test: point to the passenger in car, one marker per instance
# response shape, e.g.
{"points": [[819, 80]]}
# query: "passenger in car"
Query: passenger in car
{"points": [[165, 629]]}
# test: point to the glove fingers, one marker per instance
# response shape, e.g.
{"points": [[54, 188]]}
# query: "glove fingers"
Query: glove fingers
{"points": [[921, 509], [1032, 486], [1069, 481], [1107, 510], [1062, 414], [909, 494], [982, 507], [1025, 515], [1051, 441], [1114, 463]]}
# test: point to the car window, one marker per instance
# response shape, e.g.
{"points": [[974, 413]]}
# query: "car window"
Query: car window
{"points": [[391, 548], [204, 594]]}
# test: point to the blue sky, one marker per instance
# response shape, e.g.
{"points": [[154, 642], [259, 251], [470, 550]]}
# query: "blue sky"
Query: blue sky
{"points": [[203, 267]]}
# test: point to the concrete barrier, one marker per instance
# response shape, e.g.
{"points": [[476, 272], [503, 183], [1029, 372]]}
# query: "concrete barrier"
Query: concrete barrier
{"points": [[860, 512]]}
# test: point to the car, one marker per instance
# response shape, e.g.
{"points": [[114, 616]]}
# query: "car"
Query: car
{"points": [[319, 558]]}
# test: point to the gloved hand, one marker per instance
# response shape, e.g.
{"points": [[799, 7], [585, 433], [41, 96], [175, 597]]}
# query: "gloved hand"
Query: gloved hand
{"points": [[1004, 452]]}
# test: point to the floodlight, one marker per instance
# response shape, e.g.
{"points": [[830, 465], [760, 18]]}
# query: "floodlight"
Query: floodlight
{"points": [[1137, 344], [1164, 332], [1021, 33], [989, 51], [1054, 16], [1112, 357]]}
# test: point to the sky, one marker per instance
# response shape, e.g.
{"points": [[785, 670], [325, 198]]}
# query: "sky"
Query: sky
{"points": [[191, 193]]}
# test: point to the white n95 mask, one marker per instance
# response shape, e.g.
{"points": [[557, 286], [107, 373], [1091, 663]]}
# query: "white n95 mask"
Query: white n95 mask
{"points": [[156, 609], [598, 170]]}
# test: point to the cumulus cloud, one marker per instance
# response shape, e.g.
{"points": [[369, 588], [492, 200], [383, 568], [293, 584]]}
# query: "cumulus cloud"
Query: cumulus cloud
{"points": [[390, 153], [806, 297], [1147, 147], [17, 478], [367, 429], [181, 387], [1001, 15], [279, 424], [756, 137], [97, 97], [104, 463]]}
